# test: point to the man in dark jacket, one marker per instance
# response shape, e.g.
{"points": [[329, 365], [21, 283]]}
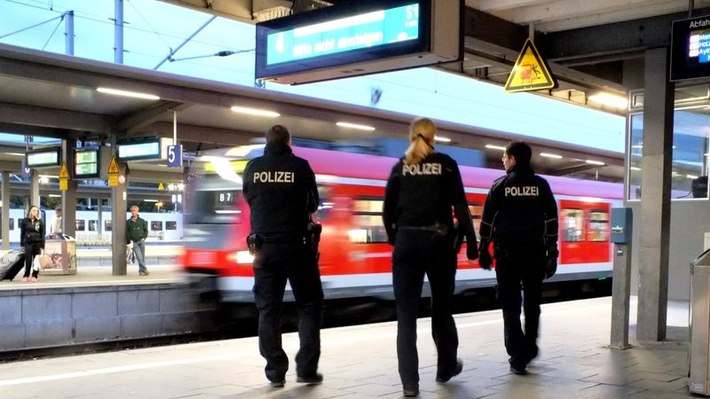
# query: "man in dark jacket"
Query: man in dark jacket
{"points": [[136, 233], [281, 191], [520, 217]]}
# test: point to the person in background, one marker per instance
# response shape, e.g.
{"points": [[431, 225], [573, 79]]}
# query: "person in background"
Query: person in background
{"points": [[520, 218], [32, 232], [281, 191], [423, 188], [55, 227], [136, 233]]}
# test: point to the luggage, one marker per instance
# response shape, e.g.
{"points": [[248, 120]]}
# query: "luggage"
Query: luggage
{"points": [[11, 264]]}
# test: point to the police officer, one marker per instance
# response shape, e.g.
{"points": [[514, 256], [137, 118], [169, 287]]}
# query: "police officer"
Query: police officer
{"points": [[282, 194], [417, 213], [520, 217]]}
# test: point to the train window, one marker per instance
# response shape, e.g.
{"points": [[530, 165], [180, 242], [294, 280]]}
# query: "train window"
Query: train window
{"points": [[326, 203], [367, 218], [573, 225], [598, 226], [156, 225], [476, 211], [93, 224], [12, 223], [170, 225], [107, 225], [80, 225]]}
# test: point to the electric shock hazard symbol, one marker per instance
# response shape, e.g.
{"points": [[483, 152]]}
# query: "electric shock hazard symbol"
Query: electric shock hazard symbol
{"points": [[530, 72]]}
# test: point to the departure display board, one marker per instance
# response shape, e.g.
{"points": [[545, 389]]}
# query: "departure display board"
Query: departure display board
{"points": [[355, 38], [86, 163], [43, 158], [144, 148], [690, 49]]}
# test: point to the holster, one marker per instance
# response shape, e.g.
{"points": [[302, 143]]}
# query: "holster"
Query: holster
{"points": [[254, 243], [313, 232]]}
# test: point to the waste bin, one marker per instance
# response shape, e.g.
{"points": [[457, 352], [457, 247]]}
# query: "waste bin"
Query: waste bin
{"points": [[59, 255]]}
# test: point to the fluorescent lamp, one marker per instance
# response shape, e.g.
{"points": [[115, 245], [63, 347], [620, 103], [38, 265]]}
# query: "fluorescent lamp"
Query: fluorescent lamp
{"points": [[442, 139], [55, 195], [548, 155], [610, 100], [495, 147], [691, 176], [355, 126], [150, 200], [125, 93], [591, 162], [255, 111], [635, 168]]}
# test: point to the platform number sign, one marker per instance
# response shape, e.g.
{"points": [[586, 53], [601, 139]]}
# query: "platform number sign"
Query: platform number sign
{"points": [[175, 156]]}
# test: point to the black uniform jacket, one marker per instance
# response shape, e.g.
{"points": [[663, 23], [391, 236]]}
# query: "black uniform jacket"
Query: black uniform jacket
{"points": [[32, 232], [520, 211], [423, 195], [281, 191]]}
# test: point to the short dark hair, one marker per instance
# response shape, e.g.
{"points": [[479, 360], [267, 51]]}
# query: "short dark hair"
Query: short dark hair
{"points": [[277, 134], [521, 151]]}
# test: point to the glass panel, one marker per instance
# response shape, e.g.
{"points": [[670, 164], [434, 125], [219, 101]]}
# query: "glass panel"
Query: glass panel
{"points": [[573, 225], [156, 225], [368, 229], [93, 224], [12, 223], [107, 225], [170, 225], [80, 225], [598, 226], [635, 157], [476, 212]]}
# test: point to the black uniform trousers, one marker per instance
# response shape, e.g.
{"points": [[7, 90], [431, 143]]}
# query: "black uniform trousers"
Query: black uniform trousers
{"points": [[416, 253], [274, 265], [516, 266]]}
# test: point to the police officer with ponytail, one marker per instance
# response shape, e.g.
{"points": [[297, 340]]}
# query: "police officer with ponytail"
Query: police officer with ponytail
{"points": [[520, 218], [423, 190], [281, 191]]}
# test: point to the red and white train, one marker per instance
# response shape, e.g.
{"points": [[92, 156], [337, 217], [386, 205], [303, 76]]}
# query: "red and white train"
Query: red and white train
{"points": [[355, 257]]}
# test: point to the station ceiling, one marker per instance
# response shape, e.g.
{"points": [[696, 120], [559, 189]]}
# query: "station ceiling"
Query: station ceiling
{"points": [[590, 46]]}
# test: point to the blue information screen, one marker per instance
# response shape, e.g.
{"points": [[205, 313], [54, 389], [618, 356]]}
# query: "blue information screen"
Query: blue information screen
{"points": [[690, 49], [356, 32]]}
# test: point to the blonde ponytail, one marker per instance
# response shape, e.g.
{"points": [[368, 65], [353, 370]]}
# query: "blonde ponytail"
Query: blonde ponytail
{"points": [[421, 136]]}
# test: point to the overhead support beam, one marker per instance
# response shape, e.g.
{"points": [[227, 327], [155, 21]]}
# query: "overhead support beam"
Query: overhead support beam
{"points": [[233, 9], [27, 130], [53, 118], [170, 175], [133, 122], [572, 169], [10, 166], [202, 134]]}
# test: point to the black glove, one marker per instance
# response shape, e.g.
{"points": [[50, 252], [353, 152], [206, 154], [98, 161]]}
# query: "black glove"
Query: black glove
{"points": [[551, 266], [484, 257]]}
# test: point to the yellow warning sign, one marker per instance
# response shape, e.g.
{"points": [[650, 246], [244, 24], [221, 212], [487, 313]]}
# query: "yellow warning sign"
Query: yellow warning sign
{"points": [[63, 172], [113, 180], [161, 186], [64, 184], [113, 166], [530, 72]]}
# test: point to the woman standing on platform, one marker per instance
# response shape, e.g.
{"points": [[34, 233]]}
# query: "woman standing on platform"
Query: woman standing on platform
{"points": [[32, 240], [421, 192]]}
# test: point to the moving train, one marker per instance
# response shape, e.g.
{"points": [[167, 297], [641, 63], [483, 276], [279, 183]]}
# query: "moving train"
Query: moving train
{"points": [[162, 226], [355, 257]]}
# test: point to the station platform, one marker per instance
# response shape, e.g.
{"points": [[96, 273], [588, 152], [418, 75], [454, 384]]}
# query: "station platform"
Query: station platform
{"points": [[360, 362]]}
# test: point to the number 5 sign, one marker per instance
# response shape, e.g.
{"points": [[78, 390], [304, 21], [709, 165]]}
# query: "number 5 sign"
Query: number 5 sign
{"points": [[175, 156]]}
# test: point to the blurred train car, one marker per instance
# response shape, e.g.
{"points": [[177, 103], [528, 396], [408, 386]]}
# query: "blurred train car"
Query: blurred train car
{"points": [[355, 257], [162, 226]]}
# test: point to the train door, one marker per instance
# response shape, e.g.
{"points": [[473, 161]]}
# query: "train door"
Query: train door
{"points": [[584, 232]]}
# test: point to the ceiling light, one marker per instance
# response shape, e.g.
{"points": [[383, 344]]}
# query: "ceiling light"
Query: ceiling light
{"points": [[548, 155], [495, 147], [125, 93], [355, 126], [150, 200], [442, 139], [591, 162], [610, 100], [255, 111], [635, 168], [691, 176]]}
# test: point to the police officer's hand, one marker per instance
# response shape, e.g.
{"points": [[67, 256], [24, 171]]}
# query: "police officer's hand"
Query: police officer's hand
{"points": [[551, 267], [484, 257]]}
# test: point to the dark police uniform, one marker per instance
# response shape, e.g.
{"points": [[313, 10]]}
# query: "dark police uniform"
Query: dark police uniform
{"points": [[417, 215], [282, 194], [520, 217]]}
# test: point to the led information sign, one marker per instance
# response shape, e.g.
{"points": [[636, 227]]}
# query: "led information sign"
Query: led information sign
{"points": [[690, 49], [145, 148], [86, 163], [43, 158], [358, 38]]}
